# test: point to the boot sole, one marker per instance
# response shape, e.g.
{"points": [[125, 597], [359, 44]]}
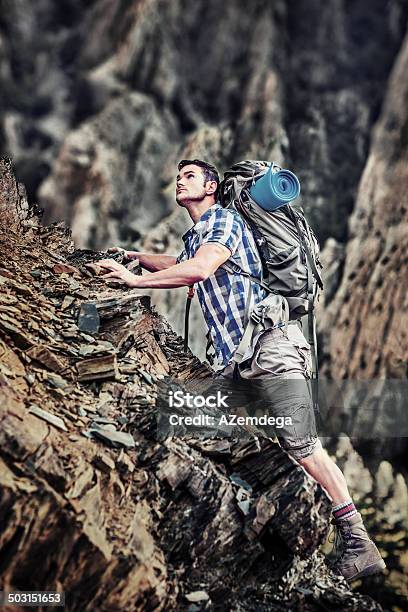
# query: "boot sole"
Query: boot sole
{"points": [[375, 568]]}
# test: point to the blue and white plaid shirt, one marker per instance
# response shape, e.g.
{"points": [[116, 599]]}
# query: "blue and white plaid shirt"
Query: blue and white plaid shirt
{"points": [[223, 295]]}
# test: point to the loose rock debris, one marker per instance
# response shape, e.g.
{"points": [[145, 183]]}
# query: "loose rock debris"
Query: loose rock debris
{"points": [[118, 519]]}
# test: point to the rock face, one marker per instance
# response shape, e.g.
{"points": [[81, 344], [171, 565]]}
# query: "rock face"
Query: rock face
{"points": [[365, 326], [97, 111], [367, 318], [92, 502]]}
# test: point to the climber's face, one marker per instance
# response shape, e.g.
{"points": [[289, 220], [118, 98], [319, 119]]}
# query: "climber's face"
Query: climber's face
{"points": [[190, 185]]}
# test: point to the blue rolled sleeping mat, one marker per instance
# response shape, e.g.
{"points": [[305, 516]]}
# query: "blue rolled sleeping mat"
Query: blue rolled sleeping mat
{"points": [[275, 188]]}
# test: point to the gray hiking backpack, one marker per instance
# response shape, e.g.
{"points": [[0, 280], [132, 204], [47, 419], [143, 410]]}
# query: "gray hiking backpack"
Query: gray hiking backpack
{"points": [[287, 246]]}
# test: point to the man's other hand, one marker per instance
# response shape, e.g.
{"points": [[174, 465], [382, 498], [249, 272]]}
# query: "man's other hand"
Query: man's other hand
{"points": [[117, 274], [128, 255], [118, 250]]}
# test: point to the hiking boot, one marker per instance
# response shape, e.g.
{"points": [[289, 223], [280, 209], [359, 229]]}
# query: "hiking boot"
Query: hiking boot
{"points": [[354, 554]]}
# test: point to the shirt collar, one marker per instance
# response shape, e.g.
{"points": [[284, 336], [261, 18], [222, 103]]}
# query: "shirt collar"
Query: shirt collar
{"points": [[202, 220]]}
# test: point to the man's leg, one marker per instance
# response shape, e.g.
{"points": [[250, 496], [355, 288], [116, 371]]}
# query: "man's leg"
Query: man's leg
{"points": [[280, 371], [323, 469], [357, 555]]}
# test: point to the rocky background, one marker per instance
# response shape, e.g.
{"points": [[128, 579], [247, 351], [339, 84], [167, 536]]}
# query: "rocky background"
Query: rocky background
{"points": [[100, 99], [97, 110]]}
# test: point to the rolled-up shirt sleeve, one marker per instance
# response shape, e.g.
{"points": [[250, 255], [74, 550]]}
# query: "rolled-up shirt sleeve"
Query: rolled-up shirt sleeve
{"points": [[224, 227], [182, 256]]}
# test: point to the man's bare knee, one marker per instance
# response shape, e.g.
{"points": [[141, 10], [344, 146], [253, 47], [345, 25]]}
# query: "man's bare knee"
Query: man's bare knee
{"points": [[305, 454], [315, 458]]}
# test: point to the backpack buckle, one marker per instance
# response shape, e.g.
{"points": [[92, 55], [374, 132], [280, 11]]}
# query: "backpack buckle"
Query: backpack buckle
{"points": [[191, 292], [258, 314], [271, 309], [235, 268]]}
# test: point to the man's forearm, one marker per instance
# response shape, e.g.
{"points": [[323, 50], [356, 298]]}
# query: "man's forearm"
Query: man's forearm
{"points": [[153, 262], [180, 275], [205, 262]]}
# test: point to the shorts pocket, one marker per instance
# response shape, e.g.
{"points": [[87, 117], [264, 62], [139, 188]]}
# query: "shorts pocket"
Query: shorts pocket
{"points": [[305, 355], [265, 360], [268, 358], [302, 347]]}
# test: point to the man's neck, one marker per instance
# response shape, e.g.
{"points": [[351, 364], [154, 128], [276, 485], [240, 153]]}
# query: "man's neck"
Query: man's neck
{"points": [[197, 209]]}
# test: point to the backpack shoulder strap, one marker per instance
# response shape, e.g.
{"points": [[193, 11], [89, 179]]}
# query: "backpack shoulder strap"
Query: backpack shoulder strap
{"points": [[234, 268]]}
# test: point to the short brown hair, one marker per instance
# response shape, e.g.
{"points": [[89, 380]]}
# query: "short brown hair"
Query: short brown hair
{"points": [[210, 172]]}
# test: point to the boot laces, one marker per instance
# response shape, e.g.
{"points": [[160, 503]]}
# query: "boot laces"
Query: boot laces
{"points": [[341, 543]]}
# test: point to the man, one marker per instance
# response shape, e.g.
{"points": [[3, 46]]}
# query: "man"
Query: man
{"points": [[219, 235]]}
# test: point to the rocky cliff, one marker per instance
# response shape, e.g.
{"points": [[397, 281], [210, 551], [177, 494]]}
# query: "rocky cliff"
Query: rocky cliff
{"points": [[369, 312], [97, 110], [92, 502], [364, 327]]}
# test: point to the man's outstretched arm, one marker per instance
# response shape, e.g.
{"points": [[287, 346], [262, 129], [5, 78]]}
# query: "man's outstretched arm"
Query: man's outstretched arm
{"points": [[208, 258], [154, 261], [149, 261]]}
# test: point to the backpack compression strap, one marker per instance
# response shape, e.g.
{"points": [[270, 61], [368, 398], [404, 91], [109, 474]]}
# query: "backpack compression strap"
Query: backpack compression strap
{"points": [[310, 311], [309, 256]]}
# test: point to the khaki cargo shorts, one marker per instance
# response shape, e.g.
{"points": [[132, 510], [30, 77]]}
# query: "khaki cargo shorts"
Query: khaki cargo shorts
{"points": [[276, 382]]}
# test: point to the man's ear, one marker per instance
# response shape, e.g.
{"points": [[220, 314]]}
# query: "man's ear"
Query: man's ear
{"points": [[211, 187]]}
